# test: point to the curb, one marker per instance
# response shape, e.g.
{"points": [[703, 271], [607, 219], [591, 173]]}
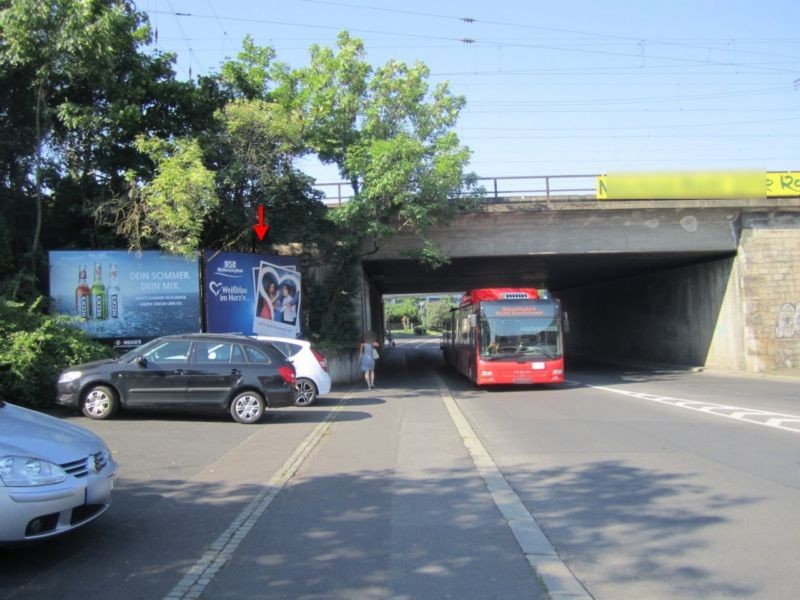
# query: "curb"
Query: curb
{"points": [[558, 580]]}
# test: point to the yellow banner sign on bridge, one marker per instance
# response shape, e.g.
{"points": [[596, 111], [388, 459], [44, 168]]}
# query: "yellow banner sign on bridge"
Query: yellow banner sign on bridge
{"points": [[698, 185]]}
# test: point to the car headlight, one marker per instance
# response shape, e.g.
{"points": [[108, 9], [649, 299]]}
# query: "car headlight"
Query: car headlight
{"points": [[26, 471], [68, 376]]}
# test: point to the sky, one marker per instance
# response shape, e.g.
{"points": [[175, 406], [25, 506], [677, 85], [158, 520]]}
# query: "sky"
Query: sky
{"points": [[552, 88]]}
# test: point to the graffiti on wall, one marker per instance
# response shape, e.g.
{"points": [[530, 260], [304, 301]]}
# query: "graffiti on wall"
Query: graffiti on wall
{"points": [[788, 321]]}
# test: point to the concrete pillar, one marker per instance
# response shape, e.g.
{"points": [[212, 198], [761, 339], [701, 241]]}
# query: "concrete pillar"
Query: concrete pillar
{"points": [[361, 301], [727, 347], [769, 280], [369, 303]]}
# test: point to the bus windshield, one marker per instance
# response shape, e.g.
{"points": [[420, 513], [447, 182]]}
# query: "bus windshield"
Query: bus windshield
{"points": [[507, 337]]}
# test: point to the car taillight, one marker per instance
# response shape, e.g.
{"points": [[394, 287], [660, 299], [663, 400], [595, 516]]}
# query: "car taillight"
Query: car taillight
{"points": [[320, 359], [287, 372]]}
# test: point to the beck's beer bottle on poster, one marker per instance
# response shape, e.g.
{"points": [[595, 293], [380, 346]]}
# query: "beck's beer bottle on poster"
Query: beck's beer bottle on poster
{"points": [[82, 295], [98, 297], [114, 302]]}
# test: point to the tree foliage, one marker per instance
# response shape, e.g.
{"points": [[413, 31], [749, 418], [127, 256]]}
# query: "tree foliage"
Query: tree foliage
{"points": [[170, 209], [256, 144], [390, 135], [406, 312], [82, 91], [100, 138], [437, 314], [35, 349]]}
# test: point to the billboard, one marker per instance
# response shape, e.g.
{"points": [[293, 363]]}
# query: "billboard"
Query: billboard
{"points": [[252, 294], [126, 297], [694, 185]]}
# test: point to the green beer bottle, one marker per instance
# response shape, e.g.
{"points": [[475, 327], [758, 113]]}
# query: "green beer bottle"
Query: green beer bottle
{"points": [[99, 306]]}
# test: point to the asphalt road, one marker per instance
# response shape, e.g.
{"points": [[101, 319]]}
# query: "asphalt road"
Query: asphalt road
{"points": [[647, 484]]}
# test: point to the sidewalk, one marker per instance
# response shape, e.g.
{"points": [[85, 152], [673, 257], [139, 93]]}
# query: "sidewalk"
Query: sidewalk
{"points": [[386, 507], [786, 373], [793, 373]]}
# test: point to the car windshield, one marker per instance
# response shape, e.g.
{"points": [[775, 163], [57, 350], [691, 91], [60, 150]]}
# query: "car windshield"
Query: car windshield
{"points": [[504, 336]]}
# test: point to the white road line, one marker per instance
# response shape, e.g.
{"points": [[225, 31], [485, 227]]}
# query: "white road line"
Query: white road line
{"points": [[738, 413], [560, 582], [206, 568], [425, 343]]}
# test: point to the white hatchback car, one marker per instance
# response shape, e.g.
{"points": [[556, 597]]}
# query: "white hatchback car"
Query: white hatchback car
{"points": [[311, 368], [54, 476]]}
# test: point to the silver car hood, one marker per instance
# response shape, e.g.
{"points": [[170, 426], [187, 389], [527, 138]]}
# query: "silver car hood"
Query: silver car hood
{"points": [[25, 432]]}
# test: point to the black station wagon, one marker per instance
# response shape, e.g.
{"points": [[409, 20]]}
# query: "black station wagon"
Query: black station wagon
{"points": [[192, 372]]}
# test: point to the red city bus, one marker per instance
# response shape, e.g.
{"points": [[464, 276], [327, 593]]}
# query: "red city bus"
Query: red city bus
{"points": [[506, 335]]}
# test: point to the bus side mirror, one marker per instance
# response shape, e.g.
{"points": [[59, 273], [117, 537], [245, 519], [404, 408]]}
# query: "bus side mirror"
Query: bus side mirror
{"points": [[565, 318]]}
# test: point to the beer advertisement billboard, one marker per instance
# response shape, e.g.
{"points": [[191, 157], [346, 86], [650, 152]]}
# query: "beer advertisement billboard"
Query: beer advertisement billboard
{"points": [[126, 297]]}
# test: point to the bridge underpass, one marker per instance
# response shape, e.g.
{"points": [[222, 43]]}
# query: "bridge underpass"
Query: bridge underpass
{"points": [[686, 282], [551, 271]]}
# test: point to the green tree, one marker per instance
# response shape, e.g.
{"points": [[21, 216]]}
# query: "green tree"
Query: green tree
{"points": [[99, 137], [437, 314], [168, 211], [250, 75], [82, 91], [405, 311], [254, 150], [391, 137]]}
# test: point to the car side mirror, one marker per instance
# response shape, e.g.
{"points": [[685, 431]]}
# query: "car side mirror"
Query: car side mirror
{"points": [[141, 361]]}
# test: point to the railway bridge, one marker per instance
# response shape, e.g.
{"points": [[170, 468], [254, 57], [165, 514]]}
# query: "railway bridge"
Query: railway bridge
{"points": [[695, 282]]}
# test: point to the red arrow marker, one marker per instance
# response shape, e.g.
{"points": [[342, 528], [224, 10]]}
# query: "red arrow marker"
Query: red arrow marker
{"points": [[261, 229]]}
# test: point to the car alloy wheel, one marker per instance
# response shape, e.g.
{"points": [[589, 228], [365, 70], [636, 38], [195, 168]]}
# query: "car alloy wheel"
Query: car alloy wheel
{"points": [[306, 392], [99, 402], [247, 407]]}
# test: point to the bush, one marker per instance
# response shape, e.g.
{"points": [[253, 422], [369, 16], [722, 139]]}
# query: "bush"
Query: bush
{"points": [[405, 311], [437, 314], [36, 348], [419, 330]]}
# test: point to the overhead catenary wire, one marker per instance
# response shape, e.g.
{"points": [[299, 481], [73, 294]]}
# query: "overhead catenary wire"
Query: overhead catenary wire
{"points": [[185, 38], [687, 79], [636, 128], [589, 34], [476, 41], [222, 27]]}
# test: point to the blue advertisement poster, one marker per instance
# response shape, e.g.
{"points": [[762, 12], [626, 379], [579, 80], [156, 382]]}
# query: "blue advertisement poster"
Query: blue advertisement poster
{"points": [[127, 297], [252, 294]]}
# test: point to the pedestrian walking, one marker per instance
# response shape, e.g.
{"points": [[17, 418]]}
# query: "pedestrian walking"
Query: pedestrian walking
{"points": [[368, 354]]}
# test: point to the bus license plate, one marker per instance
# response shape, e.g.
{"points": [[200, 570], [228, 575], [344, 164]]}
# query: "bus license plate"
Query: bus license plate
{"points": [[538, 366]]}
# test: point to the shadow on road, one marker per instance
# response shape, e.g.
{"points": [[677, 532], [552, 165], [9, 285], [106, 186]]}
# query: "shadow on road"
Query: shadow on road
{"points": [[661, 516], [372, 532], [378, 534], [314, 414]]}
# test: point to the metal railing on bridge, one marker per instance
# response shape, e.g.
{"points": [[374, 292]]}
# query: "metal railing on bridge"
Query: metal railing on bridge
{"points": [[583, 187], [497, 189]]}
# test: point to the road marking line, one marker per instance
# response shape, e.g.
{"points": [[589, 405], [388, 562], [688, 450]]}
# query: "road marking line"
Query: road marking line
{"points": [[559, 581], [425, 343], [191, 586], [737, 413]]}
